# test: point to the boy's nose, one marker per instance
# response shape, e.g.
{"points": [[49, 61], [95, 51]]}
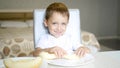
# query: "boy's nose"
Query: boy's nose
{"points": [[59, 27]]}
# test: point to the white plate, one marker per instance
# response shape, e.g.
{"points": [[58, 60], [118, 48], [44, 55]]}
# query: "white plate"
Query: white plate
{"points": [[88, 58]]}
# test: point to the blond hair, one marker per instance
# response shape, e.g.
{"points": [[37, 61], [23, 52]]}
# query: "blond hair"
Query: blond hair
{"points": [[56, 7]]}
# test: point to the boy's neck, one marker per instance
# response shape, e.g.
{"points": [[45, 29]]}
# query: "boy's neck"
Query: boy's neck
{"points": [[56, 37]]}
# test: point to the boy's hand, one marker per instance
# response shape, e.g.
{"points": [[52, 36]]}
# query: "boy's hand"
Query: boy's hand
{"points": [[36, 52], [81, 51], [58, 51]]}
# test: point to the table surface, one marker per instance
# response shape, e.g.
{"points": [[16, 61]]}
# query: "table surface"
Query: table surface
{"points": [[108, 59]]}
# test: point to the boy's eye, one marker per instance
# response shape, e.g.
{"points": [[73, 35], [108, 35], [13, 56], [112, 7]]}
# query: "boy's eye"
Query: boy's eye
{"points": [[63, 23], [54, 23]]}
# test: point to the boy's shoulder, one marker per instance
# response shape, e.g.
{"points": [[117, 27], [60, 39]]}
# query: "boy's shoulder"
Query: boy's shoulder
{"points": [[45, 36]]}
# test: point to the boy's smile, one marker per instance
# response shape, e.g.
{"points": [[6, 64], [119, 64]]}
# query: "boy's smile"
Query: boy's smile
{"points": [[57, 24]]}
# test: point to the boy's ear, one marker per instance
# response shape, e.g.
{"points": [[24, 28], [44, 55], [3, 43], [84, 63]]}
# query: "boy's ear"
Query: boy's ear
{"points": [[45, 23]]}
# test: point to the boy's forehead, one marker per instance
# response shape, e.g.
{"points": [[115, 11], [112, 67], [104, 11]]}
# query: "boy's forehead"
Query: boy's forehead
{"points": [[63, 14]]}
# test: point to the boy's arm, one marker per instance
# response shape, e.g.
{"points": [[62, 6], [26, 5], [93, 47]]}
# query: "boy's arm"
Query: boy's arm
{"points": [[38, 50], [58, 51]]}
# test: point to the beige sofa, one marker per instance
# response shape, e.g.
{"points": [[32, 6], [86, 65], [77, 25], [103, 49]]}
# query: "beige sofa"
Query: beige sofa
{"points": [[19, 47]]}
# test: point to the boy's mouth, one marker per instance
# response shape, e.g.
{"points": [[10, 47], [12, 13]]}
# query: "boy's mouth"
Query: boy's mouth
{"points": [[59, 33]]}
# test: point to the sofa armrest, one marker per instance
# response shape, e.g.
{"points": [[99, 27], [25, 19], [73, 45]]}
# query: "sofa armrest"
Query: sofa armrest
{"points": [[1, 55], [89, 40], [16, 47]]}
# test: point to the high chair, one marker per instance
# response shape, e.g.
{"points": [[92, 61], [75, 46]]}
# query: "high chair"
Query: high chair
{"points": [[73, 29]]}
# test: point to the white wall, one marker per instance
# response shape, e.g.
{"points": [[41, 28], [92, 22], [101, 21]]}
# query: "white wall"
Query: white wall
{"points": [[97, 16]]}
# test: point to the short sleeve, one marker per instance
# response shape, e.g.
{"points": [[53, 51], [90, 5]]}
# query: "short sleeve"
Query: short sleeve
{"points": [[45, 42], [40, 43]]}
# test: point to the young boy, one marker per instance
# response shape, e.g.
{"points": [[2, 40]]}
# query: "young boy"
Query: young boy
{"points": [[56, 42]]}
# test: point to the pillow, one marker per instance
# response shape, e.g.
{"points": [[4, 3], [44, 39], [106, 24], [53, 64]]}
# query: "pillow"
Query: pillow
{"points": [[13, 24], [29, 23]]}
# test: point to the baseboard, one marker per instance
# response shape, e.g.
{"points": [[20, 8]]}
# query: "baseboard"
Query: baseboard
{"points": [[119, 37], [112, 42], [108, 37]]}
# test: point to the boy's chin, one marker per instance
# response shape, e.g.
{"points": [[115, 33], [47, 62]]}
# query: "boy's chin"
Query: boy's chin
{"points": [[57, 36]]}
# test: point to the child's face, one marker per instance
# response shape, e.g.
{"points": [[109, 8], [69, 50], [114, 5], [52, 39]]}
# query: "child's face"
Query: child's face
{"points": [[57, 24]]}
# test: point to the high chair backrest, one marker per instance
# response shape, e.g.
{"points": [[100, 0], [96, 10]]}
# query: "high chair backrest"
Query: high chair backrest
{"points": [[73, 28]]}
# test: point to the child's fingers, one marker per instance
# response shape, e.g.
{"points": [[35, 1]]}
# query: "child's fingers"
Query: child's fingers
{"points": [[81, 51], [59, 52]]}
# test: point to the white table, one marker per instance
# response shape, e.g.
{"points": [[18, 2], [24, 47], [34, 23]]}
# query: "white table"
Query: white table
{"points": [[108, 59]]}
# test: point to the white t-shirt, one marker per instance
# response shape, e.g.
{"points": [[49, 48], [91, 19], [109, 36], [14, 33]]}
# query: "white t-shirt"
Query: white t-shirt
{"points": [[65, 42]]}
